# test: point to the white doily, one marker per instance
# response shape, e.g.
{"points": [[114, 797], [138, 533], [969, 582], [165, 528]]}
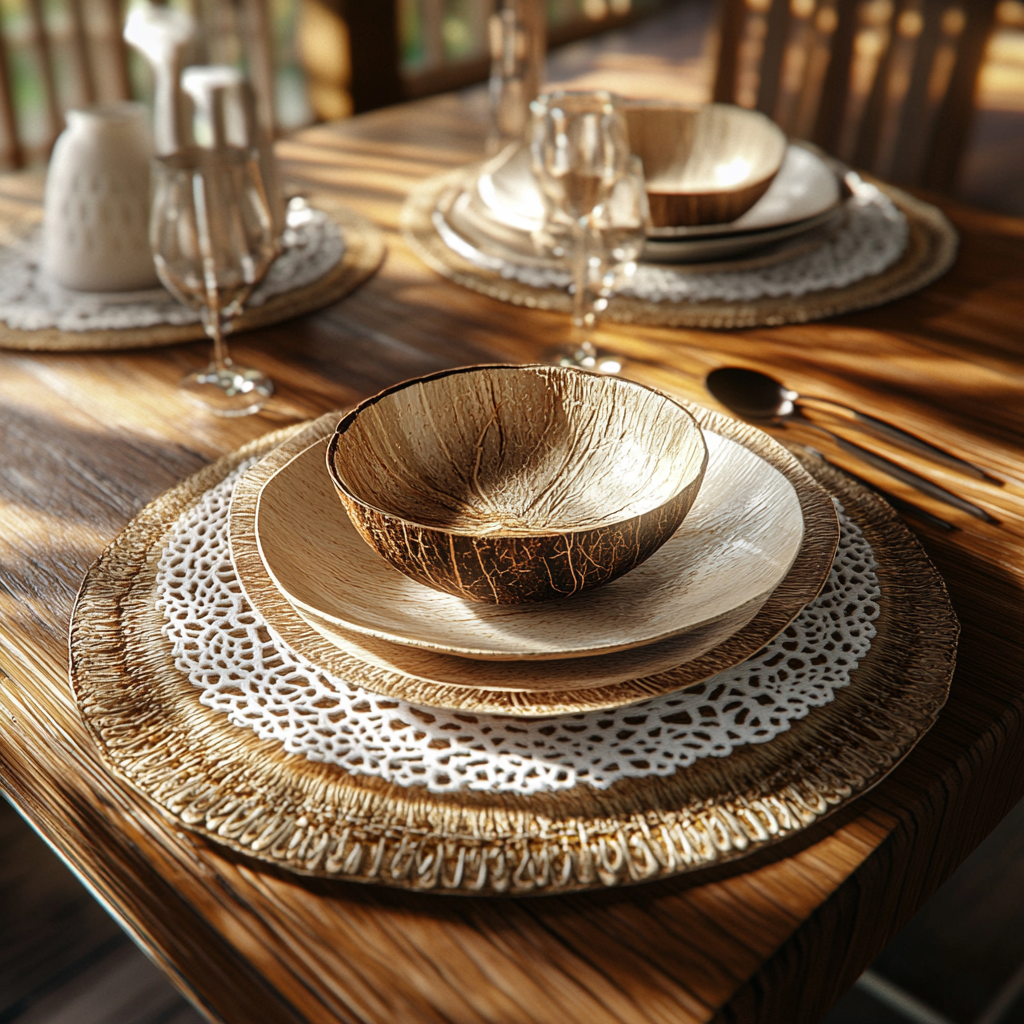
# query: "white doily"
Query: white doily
{"points": [[241, 667], [31, 301], [873, 236]]}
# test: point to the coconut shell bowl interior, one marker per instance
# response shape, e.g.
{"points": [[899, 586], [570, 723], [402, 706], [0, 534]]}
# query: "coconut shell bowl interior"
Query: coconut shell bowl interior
{"points": [[706, 164], [511, 484]]}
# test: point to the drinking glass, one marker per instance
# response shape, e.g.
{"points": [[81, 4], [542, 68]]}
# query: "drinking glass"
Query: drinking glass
{"points": [[596, 204], [212, 238]]}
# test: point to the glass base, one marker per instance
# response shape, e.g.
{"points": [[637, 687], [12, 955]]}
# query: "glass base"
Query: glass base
{"points": [[586, 356], [229, 390]]}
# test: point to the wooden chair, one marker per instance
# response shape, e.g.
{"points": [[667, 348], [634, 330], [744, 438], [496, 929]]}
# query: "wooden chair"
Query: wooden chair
{"points": [[76, 57], [36, 42], [887, 85]]}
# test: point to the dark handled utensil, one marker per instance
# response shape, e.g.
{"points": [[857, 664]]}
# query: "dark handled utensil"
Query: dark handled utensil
{"points": [[756, 396], [721, 384], [907, 508]]}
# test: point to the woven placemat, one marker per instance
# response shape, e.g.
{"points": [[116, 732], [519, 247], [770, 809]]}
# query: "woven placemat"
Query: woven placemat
{"points": [[248, 794], [364, 252], [931, 251]]}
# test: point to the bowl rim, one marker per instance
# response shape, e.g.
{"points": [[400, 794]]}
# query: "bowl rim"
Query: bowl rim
{"points": [[750, 113], [351, 416]]}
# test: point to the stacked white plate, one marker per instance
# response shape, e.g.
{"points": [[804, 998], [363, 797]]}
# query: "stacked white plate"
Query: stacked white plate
{"points": [[492, 217], [755, 548]]}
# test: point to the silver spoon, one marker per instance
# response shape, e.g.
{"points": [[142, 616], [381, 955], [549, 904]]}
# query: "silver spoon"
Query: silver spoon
{"points": [[756, 396], [761, 399]]}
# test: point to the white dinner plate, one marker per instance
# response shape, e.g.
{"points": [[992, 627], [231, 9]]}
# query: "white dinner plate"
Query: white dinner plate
{"points": [[491, 219], [805, 187], [734, 547]]}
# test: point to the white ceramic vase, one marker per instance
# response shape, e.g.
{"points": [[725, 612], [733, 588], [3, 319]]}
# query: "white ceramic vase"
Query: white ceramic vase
{"points": [[96, 209]]}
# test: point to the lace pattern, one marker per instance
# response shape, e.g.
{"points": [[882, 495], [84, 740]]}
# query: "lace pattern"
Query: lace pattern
{"points": [[30, 301]]}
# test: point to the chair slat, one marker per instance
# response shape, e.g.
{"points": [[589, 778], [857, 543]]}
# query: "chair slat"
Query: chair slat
{"points": [[260, 51], [44, 55], [376, 79], [835, 90], [910, 155], [13, 154], [732, 17], [118, 48], [868, 136], [87, 92], [775, 42], [955, 112]]}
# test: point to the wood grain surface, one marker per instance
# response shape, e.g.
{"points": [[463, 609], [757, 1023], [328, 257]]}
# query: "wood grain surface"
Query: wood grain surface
{"points": [[87, 440], [684, 152]]}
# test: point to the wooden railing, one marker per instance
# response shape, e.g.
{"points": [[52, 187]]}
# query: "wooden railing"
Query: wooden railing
{"points": [[444, 42]]}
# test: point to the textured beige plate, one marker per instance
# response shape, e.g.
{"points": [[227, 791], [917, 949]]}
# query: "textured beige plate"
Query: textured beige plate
{"points": [[733, 549], [248, 794], [438, 680], [531, 681], [364, 251]]}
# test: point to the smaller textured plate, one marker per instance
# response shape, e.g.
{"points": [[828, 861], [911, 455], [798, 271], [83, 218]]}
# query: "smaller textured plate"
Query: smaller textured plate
{"points": [[719, 251], [734, 548]]}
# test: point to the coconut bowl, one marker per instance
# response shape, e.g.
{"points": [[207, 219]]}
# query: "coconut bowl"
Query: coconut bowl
{"points": [[703, 165], [511, 484]]}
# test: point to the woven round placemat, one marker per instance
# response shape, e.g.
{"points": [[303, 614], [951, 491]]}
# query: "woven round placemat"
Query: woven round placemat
{"points": [[364, 251], [225, 783], [800, 586], [931, 251]]}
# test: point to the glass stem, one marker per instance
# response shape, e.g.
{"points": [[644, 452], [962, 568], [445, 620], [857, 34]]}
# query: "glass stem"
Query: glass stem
{"points": [[211, 313], [582, 304], [221, 358]]}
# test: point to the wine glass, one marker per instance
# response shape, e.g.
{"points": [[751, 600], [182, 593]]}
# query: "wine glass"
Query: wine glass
{"points": [[212, 239], [619, 233], [580, 151]]}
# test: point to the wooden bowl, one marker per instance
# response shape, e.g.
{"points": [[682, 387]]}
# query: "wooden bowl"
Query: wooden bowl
{"points": [[509, 484], [706, 164]]}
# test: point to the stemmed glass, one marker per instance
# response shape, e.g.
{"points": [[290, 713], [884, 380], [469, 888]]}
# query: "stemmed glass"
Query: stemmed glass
{"points": [[581, 160], [619, 233], [213, 241]]}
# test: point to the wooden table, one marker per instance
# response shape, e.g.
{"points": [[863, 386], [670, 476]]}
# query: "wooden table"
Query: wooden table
{"points": [[86, 440]]}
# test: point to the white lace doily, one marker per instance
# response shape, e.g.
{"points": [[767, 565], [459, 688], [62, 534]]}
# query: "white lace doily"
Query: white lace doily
{"points": [[30, 301], [242, 668], [873, 236]]}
